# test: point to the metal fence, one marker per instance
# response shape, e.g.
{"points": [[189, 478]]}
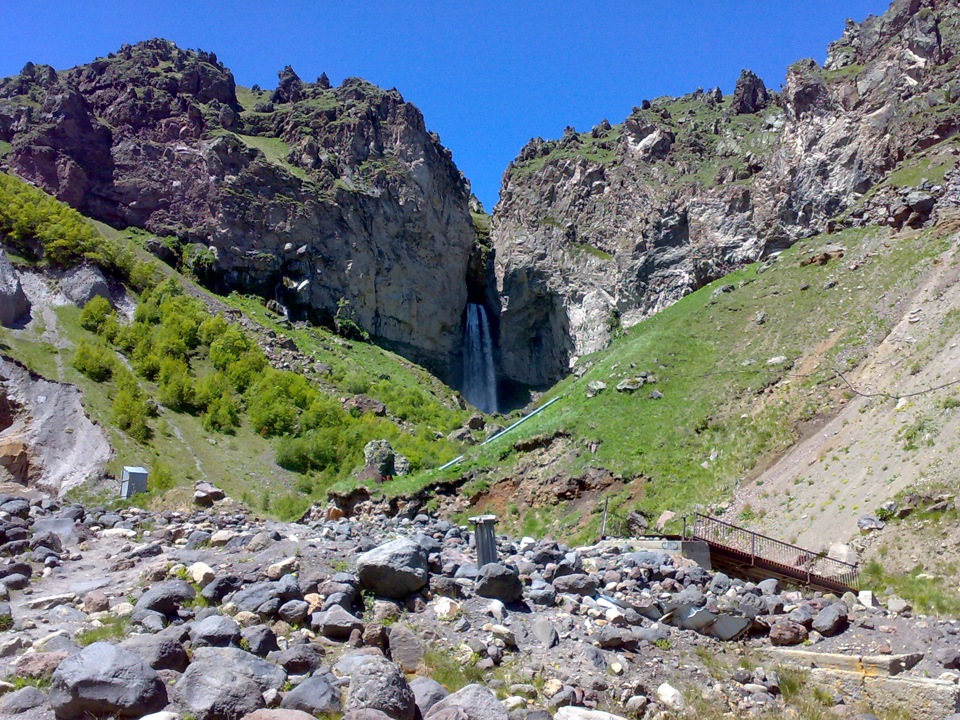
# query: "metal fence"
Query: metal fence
{"points": [[794, 561]]}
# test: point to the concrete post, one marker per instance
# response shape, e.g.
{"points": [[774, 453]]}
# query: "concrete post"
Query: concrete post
{"points": [[483, 529]]}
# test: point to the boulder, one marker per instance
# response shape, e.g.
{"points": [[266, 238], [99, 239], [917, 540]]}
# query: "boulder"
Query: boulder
{"points": [[785, 632], [571, 712], [474, 702], [215, 631], [750, 94], [82, 284], [226, 683], [831, 620], [166, 597], [576, 584], [159, 651], [394, 570], [316, 696], [427, 692], [105, 679], [278, 714], [14, 304], [378, 684], [498, 581], [301, 659], [406, 648], [544, 631], [22, 700], [335, 623]]}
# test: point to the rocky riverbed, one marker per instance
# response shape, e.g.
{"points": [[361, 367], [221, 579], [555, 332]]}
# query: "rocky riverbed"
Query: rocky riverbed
{"points": [[211, 613]]}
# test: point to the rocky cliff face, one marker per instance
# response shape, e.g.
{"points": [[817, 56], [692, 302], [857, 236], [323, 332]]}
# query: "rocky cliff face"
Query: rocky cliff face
{"points": [[603, 228], [336, 201]]}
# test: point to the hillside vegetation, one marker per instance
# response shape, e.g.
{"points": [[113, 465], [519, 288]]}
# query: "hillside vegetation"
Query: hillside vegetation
{"points": [[729, 377], [193, 395]]}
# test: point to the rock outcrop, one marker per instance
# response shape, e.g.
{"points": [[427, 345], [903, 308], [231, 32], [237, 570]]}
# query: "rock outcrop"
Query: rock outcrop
{"points": [[14, 304], [336, 202], [600, 229]]}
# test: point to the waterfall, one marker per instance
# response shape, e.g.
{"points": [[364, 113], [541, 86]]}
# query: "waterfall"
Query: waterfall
{"points": [[479, 377]]}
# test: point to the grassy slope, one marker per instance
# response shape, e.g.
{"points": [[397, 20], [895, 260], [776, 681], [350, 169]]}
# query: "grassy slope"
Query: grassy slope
{"points": [[724, 410], [242, 463]]}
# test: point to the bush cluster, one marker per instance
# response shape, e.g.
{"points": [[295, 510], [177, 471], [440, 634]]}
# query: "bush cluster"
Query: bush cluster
{"points": [[206, 366], [42, 229]]}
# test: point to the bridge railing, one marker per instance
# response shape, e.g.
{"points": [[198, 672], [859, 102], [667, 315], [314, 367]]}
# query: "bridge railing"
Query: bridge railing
{"points": [[797, 561]]}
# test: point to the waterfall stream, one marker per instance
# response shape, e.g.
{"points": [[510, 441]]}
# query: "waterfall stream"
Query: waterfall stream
{"points": [[479, 376]]}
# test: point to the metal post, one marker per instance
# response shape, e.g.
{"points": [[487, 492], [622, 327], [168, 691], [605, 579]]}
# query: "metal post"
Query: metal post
{"points": [[603, 525], [483, 529]]}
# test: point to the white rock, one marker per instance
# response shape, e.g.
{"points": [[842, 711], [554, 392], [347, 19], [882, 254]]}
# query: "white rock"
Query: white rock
{"points": [[580, 713], [551, 687], [527, 543], [119, 533], [514, 703], [123, 609], [222, 537], [164, 715], [504, 633], [671, 698], [51, 601], [201, 573], [446, 609], [496, 609], [284, 567]]}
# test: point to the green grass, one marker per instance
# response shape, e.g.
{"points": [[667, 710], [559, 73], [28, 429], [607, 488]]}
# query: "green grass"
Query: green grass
{"points": [[913, 172], [443, 667], [928, 595], [5, 147], [111, 628], [720, 396], [275, 150]]}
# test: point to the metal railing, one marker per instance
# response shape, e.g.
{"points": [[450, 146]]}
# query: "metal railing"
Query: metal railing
{"points": [[757, 549]]}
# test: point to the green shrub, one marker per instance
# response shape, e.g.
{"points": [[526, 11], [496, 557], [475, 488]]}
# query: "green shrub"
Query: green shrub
{"points": [[40, 227], [95, 314], [94, 361], [161, 479], [355, 382], [222, 415], [175, 384], [130, 409]]}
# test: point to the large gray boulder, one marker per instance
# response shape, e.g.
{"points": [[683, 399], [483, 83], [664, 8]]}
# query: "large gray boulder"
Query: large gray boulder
{"points": [[475, 703], [832, 620], [166, 597], [226, 683], [394, 570], [500, 582], [378, 684], [14, 304], [161, 652], [316, 696], [105, 680], [427, 692], [82, 284], [215, 631], [335, 623]]}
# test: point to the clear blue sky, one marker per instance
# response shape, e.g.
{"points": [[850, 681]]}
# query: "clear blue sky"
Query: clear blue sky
{"points": [[487, 75]]}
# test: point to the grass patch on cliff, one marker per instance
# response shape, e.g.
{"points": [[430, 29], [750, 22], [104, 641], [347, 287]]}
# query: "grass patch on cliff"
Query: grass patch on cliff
{"points": [[912, 173], [276, 151]]}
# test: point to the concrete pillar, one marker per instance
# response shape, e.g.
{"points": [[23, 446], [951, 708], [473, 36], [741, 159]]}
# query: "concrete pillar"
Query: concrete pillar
{"points": [[483, 529]]}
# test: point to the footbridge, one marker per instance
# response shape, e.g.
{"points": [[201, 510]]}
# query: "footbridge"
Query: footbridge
{"points": [[749, 554]]}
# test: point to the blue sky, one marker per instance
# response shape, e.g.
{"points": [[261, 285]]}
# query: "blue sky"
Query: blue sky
{"points": [[488, 76]]}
